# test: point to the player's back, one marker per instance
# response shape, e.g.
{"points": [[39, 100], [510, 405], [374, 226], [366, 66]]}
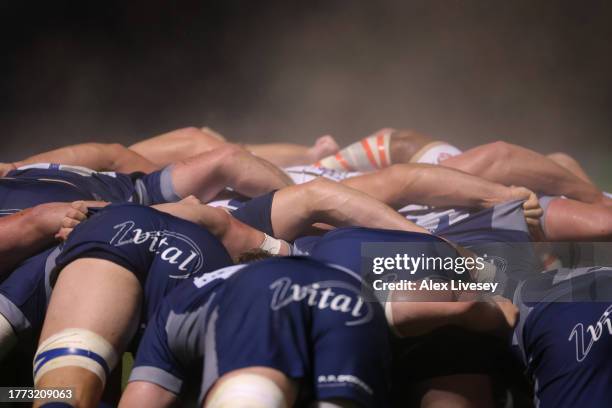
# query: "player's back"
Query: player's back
{"points": [[564, 336], [356, 247], [43, 183]]}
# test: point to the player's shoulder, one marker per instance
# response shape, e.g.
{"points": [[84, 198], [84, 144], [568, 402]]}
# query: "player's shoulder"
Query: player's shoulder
{"points": [[577, 284]]}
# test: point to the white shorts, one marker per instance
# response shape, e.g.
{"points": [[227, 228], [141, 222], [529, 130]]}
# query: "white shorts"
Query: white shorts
{"points": [[435, 152]]}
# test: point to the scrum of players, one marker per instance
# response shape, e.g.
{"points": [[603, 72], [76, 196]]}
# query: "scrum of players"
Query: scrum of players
{"points": [[233, 275]]}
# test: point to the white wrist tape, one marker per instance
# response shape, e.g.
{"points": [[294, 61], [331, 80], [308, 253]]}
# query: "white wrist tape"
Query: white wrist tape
{"points": [[247, 390], [271, 245], [75, 348], [8, 338]]}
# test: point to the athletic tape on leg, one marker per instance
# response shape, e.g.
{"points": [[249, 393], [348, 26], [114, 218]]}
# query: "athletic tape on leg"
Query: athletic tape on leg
{"points": [[76, 348]]}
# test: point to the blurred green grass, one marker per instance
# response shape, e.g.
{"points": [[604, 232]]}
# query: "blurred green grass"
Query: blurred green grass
{"points": [[126, 367]]}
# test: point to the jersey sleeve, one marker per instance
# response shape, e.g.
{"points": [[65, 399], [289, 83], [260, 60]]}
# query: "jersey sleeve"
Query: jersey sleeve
{"points": [[155, 361]]}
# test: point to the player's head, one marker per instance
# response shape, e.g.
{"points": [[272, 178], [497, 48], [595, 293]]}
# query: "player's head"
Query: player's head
{"points": [[252, 255]]}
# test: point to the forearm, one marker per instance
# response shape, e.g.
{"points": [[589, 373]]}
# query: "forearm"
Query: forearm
{"points": [[27, 238], [296, 208], [404, 184], [96, 156], [487, 315], [418, 318]]}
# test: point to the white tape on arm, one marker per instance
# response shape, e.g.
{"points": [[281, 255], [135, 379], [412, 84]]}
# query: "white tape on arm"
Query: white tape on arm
{"points": [[271, 245], [75, 348]]}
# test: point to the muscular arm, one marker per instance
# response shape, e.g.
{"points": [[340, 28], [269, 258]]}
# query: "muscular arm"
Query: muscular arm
{"points": [[32, 230], [514, 165], [96, 156], [236, 236], [415, 318], [296, 208], [145, 394], [403, 184]]}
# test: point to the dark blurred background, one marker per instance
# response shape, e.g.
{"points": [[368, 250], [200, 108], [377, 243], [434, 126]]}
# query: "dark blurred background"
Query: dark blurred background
{"points": [[533, 73]]}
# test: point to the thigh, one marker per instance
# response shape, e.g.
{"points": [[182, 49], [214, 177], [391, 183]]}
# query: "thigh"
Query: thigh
{"points": [[109, 298]]}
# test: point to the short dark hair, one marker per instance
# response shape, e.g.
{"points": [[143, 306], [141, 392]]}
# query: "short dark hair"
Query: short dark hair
{"points": [[252, 255]]}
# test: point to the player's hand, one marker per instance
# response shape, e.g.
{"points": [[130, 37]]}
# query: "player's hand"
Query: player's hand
{"points": [[73, 214], [191, 199], [510, 312], [186, 209], [531, 205]]}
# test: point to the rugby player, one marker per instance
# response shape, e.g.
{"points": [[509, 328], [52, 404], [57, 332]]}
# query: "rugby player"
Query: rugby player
{"points": [[428, 376], [286, 214], [245, 336], [501, 162], [159, 151], [397, 185], [583, 213], [203, 176], [189, 332], [121, 250], [564, 336]]}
